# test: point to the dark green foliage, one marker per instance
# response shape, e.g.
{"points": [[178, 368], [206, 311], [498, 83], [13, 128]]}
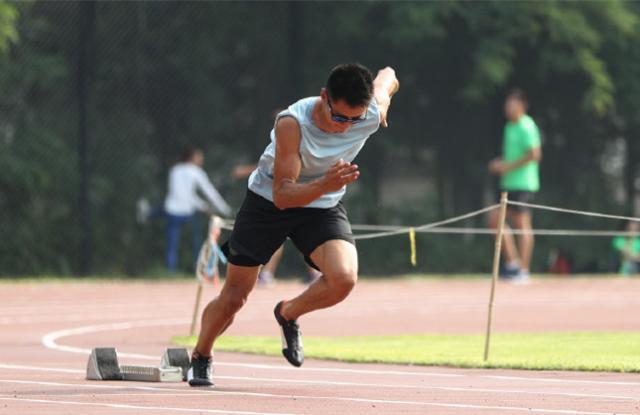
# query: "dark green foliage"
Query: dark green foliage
{"points": [[211, 74]]}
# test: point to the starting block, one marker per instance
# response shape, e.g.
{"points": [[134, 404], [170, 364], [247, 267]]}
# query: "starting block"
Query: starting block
{"points": [[103, 365], [177, 357]]}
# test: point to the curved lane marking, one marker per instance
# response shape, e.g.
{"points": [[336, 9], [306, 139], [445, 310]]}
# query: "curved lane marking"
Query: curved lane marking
{"points": [[49, 340]]}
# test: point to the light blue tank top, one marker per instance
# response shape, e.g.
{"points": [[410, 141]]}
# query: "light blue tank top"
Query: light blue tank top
{"points": [[319, 150]]}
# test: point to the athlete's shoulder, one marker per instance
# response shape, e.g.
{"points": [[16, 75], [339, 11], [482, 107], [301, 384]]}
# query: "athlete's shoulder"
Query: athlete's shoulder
{"points": [[287, 127], [287, 123], [303, 106], [308, 101], [300, 110]]}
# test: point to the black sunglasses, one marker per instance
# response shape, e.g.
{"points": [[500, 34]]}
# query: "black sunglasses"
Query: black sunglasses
{"points": [[343, 119]]}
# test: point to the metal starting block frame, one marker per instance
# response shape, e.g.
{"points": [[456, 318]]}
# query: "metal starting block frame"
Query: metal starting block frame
{"points": [[103, 365]]}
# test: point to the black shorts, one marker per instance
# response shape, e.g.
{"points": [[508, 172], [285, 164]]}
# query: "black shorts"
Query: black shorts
{"points": [[518, 196], [261, 228]]}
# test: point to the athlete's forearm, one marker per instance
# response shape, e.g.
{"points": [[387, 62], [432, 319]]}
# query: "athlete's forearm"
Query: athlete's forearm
{"points": [[384, 86], [289, 194]]}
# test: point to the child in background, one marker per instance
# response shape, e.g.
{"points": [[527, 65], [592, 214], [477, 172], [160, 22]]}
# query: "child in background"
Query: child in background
{"points": [[628, 247]]}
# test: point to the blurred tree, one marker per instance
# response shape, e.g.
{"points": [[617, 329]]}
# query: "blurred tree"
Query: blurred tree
{"points": [[211, 74], [8, 32]]}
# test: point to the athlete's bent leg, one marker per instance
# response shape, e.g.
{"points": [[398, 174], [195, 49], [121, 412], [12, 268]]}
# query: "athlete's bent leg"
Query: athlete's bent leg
{"points": [[219, 313], [338, 262]]}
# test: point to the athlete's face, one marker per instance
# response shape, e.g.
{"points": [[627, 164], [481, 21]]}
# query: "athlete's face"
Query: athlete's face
{"points": [[338, 115]]}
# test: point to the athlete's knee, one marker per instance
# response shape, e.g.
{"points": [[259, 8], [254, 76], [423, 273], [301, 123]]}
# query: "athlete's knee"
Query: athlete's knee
{"points": [[234, 303], [342, 282], [233, 300]]}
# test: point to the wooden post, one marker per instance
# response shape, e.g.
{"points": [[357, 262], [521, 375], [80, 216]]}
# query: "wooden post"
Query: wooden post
{"points": [[196, 310], [209, 252], [496, 268]]}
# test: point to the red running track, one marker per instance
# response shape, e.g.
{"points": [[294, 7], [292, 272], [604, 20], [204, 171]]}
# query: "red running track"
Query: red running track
{"points": [[47, 329]]}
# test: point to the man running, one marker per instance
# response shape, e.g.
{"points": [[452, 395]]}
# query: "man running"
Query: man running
{"points": [[518, 171], [296, 192]]}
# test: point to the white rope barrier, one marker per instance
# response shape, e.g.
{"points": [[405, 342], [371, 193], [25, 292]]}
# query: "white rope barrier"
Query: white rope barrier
{"points": [[421, 228], [381, 231], [540, 232], [398, 230], [575, 212]]}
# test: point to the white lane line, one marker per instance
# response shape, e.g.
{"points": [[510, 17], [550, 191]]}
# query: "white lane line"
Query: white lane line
{"points": [[368, 385], [60, 318], [588, 382], [147, 408], [425, 387], [40, 368], [325, 398], [123, 394], [50, 341], [91, 385]]}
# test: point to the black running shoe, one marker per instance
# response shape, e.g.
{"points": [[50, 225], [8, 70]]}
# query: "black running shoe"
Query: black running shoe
{"points": [[199, 373], [291, 338]]}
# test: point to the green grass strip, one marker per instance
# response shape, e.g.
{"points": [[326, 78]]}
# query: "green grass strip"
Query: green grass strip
{"points": [[610, 351]]}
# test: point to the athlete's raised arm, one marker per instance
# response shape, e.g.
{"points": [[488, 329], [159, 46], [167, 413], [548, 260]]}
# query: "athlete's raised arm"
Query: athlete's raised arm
{"points": [[384, 87], [287, 192]]}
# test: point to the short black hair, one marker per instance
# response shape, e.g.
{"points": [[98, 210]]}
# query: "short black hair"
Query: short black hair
{"points": [[517, 93], [352, 83]]}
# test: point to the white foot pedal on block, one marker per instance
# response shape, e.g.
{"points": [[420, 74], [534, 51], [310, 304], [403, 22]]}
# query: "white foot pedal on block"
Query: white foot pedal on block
{"points": [[177, 357], [151, 373]]}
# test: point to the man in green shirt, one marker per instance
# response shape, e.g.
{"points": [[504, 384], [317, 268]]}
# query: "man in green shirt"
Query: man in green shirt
{"points": [[628, 247], [518, 171]]}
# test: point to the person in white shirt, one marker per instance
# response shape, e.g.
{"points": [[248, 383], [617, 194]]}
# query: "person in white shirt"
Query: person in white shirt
{"points": [[182, 203]]}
